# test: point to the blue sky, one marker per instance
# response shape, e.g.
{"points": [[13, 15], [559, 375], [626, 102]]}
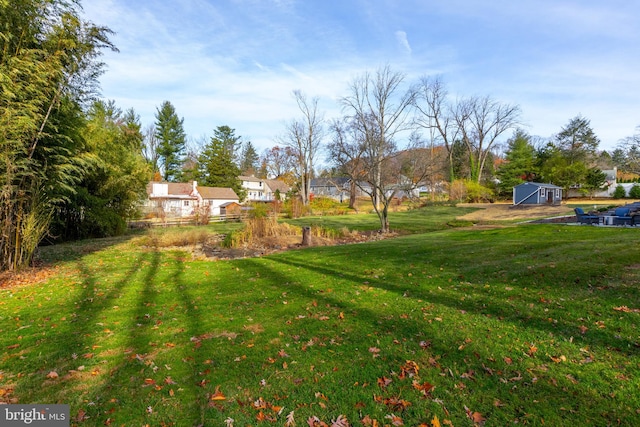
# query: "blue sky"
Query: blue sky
{"points": [[236, 62]]}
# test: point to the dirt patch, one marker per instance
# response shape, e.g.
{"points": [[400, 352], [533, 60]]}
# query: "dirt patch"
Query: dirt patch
{"points": [[506, 212]]}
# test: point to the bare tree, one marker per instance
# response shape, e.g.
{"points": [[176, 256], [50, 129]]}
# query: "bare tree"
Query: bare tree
{"points": [[482, 120], [629, 147], [150, 148], [304, 136], [378, 111], [476, 121], [278, 161], [435, 115], [346, 152]]}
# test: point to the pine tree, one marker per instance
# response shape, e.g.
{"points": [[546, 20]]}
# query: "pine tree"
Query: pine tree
{"points": [[217, 167], [171, 141], [519, 165], [249, 159]]}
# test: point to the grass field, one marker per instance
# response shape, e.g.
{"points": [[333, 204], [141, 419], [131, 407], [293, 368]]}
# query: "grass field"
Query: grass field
{"points": [[526, 324]]}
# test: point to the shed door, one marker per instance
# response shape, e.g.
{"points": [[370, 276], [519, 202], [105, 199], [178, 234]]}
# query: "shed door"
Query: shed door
{"points": [[550, 197]]}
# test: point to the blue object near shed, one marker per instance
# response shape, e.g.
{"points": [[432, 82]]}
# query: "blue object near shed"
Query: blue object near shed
{"points": [[537, 193]]}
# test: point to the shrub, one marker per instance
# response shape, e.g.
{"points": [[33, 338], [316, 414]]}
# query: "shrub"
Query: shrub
{"points": [[258, 228], [619, 192], [470, 191], [323, 204], [634, 193]]}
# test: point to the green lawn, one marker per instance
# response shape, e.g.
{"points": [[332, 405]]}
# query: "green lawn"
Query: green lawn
{"points": [[529, 324]]}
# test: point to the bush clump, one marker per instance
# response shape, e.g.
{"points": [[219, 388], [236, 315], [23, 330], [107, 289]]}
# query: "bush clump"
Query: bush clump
{"points": [[634, 193], [619, 192]]}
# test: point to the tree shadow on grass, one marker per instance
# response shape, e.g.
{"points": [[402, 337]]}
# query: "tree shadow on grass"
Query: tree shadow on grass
{"points": [[534, 378], [474, 299]]}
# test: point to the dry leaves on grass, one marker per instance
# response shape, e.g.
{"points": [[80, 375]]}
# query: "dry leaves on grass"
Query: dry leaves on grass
{"points": [[31, 276]]}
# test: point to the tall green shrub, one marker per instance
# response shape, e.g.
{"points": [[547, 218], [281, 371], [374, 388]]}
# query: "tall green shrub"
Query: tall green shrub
{"points": [[634, 193], [619, 192]]}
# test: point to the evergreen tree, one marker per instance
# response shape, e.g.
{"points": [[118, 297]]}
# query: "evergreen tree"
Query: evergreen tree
{"points": [[108, 193], [229, 142], [216, 166], [249, 159], [577, 141], [594, 181], [519, 165], [171, 141]]}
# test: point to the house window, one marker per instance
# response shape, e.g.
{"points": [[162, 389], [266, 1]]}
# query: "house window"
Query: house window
{"points": [[260, 184], [186, 203], [557, 193], [542, 192]]}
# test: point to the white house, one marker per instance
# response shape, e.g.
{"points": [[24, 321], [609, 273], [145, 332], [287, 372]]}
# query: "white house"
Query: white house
{"points": [[263, 190], [179, 200]]}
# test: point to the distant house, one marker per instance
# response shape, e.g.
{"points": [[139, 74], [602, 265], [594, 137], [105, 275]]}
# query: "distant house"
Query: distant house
{"points": [[264, 190], [180, 199], [536, 193], [338, 188], [607, 190]]}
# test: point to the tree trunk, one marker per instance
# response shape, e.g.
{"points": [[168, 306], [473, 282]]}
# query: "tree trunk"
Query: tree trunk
{"points": [[306, 236], [352, 196]]}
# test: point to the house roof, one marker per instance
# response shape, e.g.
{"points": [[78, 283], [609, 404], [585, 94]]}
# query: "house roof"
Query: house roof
{"points": [[251, 179], [181, 189], [539, 185], [217, 193], [329, 182], [184, 190], [276, 184]]}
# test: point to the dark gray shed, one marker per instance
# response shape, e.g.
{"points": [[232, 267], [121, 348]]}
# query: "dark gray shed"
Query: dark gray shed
{"points": [[536, 193]]}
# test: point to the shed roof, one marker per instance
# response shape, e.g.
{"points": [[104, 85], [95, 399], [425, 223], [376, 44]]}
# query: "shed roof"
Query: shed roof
{"points": [[539, 185]]}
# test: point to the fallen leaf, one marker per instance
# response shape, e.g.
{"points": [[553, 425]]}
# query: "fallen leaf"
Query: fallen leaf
{"points": [[341, 421], [52, 375], [291, 422], [425, 388], [626, 309], [367, 421], [435, 422], [314, 421], [217, 395], [81, 416], [384, 381], [476, 417], [410, 369], [395, 420]]}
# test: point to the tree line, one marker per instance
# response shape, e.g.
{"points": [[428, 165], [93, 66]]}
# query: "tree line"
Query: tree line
{"points": [[74, 166]]}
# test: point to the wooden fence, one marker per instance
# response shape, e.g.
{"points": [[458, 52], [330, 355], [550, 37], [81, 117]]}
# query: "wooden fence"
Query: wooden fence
{"points": [[178, 222]]}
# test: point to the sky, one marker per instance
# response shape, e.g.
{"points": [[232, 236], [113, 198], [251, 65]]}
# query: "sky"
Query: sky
{"points": [[237, 62]]}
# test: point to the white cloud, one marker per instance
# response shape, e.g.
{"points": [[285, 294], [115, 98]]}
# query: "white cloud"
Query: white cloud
{"points": [[236, 63], [401, 36]]}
